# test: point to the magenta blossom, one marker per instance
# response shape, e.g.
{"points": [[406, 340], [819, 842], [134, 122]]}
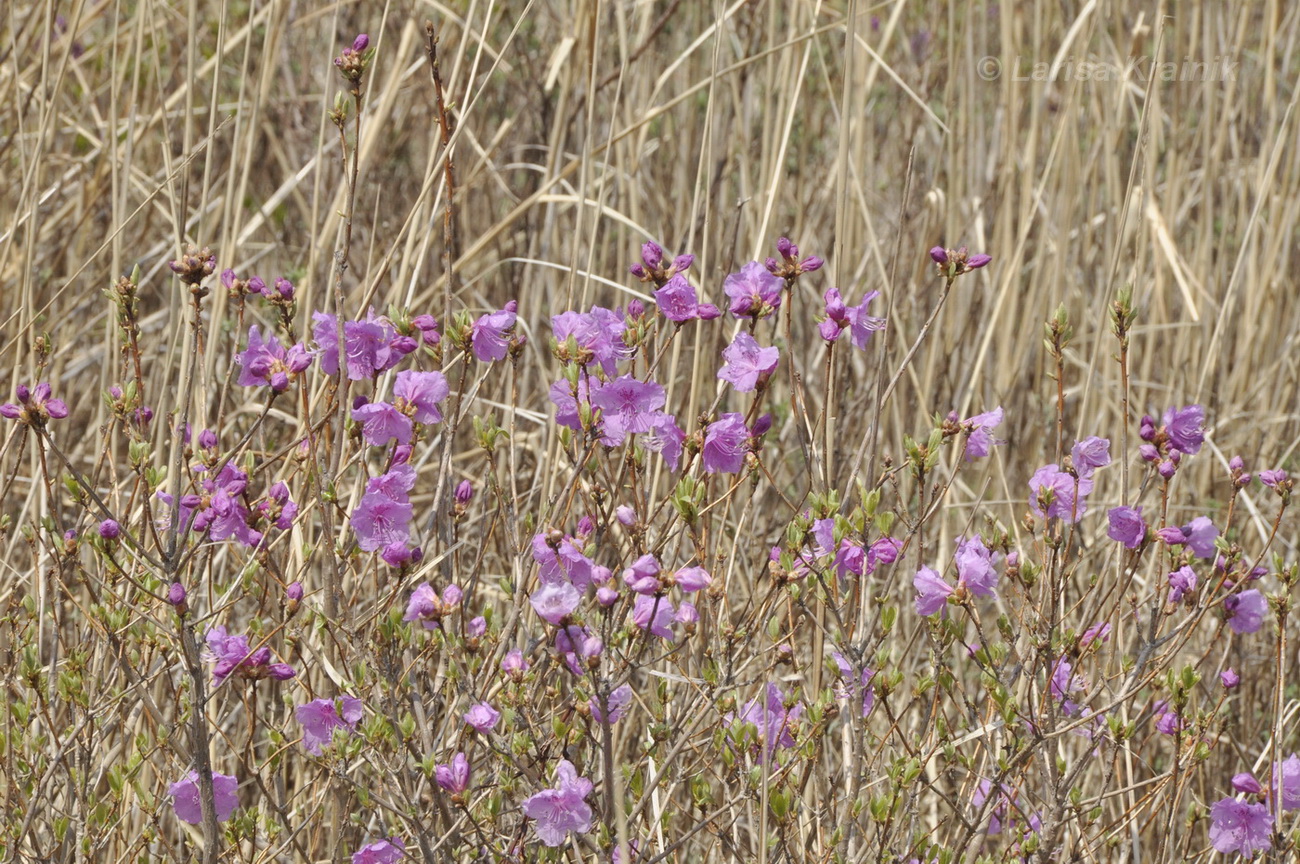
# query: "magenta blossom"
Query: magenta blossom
{"points": [[34, 406], [321, 718], [270, 363], [619, 700], [1236, 826], [482, 717], [562, 809], [748, 365], [1183, 428], [931, 592], [428, 608], [679, 303], [725, 444], [490, 334], [981, 441], [771, 719], [187, 802], [975, 567], [598, 335], [383, 516], [418, 394], [1065, 685], [852, 684], [555, 601], [1127, 526], [390, 851], [754, 292], [372, 345], [234, 656], [628, 406], [1056, 494], [654, 614], [665, 438], [1246, 611], [454, 776], [1181, 581], [1287, 775]]}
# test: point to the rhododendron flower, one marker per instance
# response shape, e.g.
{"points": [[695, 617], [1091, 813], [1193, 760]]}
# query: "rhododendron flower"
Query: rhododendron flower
{"points": [[381, 423], [654, 614], [234, 656], [679, 303], [372, 345], [428, 608], [628, 406], [1008, 810], [482, 717], [321, 718], [566, 406], [1095, 633], [598, 335], [562, 809], [747, 363], [1229, 678], [770, 717], [643, 576], [1246, 611], [270, 363], [514, 664], [453, 777], [975, 567], [418, 394], [34, 405], [1236, 826], [840, 316], [1289, 773], [725, 444], [188, 805], [619, 700], [1181, 581], [555, 601], [1183, 428], [490, 334], [754, 292], [1055, 494], [1198, 535], [665, 438], [1245, 782], [383, 517], [691, 579], [1271, 478], [931, 592], [389, 851], [852, 684], [1127, 526], [1066, 684], [981, 441], [1090, 453]]}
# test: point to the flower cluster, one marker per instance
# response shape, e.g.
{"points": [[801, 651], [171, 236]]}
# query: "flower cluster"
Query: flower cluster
{"points": [[234, 656], [34, 406]]}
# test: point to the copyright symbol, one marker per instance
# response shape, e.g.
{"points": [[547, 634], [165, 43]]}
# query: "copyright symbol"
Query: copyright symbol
{"points": [[989, 68]]}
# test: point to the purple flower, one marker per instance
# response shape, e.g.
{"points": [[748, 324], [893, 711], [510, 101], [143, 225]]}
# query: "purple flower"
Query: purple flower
{"points": [[852, 684], [679, 303], [931, 592], [771, 719], [555, 601], [1008, 810], [747, 363], [1066, 684], [691, 579], [654, 614], [186, 803], [561, 809], [981, 441], [1168, 723], [975, 567], [643, 576], [1183, 427], [390, 851], [619, 700], [1236, 826], [1288, 775], [514, 664], [1127, 526], [176, 597], [1229, 678], [1271, 478], [1245, 782], [426, 607], [725, 444], [1246, 611], [1181, 581], [862, 325], [598, 335], [234, 656], [383, 517], [754, 292], [482, 717], [1095, 633], [1055, 490], [270, 363], [34, 406], [109, 529], [418, 393], [381, 423], [566, 405], [454, 776], [372, 345], [320, 718], [490, 335], [665, 438], [1090, 453], [628, 406], [1199, 536]]}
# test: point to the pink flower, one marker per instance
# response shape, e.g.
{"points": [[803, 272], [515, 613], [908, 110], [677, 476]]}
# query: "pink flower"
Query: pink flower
{"points": [[981, 441], [748, 364], [771, 718], [725, 444], [555, 601], [679, 303], [931, 592], [1246, 611], [321, 718], [1055, 494], [754, 292], [1236, 826], [453, 777], [482, 717], [389, 851], [618, 702], [187, 803], [654, 614], [561, 809], [418, 394], [1127, 526], [490, 334]]}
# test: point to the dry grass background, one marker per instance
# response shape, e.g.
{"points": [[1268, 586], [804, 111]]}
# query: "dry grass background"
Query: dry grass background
{"points": [[867, 133]]}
